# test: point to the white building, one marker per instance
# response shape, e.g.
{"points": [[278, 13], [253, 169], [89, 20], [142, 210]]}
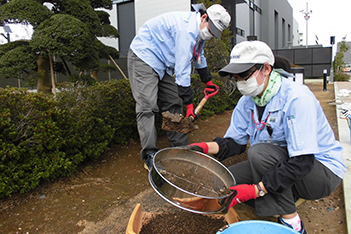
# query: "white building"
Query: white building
{"points": [[270, 21]]}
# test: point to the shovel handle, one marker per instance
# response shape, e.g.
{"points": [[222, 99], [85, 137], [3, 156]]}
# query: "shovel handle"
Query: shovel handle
{"points": [[202, 103], [198, 108]]}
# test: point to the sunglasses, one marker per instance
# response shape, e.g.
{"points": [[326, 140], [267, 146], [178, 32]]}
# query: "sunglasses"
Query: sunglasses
{"points": [[244, 76]]}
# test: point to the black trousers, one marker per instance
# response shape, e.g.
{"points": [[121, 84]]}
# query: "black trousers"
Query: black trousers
{"points": [[319, 183]]}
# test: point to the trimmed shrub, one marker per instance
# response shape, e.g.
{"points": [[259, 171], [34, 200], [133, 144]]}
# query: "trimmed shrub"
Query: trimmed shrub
{"points": [[341, 77], [30, 141], [43, 138]]}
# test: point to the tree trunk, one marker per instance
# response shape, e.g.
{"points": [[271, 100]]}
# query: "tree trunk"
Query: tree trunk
{"points": [[52, 76], [94, 74], [44, 84]]}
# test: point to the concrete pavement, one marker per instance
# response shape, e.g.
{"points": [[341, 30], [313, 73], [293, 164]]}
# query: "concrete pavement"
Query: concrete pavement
{"points": [[341, 89]]}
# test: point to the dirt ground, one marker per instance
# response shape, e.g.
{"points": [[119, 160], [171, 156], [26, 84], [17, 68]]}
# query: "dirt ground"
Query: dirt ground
{"points": [[101, 197]]}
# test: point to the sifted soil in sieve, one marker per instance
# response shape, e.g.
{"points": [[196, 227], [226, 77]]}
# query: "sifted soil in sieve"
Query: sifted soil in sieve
{"points": [[192, 178], [182, 222]]}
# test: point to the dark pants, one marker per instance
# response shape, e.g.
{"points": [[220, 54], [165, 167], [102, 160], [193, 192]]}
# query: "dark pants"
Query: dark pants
{"points": [[319, 183], [148, 90]]}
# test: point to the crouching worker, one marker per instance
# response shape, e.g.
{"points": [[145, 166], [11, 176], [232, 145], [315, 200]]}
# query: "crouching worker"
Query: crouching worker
{"points": [[293, 152]]}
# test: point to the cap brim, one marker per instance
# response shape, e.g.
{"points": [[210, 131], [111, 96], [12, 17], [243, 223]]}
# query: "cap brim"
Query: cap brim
{"points": [[213, 29], [235, 68]]}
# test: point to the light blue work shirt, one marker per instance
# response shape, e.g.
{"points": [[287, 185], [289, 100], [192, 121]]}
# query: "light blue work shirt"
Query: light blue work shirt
{"points": [[298, 122], [168, 42]]}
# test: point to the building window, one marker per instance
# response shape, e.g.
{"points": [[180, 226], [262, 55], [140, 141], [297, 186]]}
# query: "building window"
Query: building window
{"points": [[254, 7], [240, 32], [283, 33], [258, 9]]}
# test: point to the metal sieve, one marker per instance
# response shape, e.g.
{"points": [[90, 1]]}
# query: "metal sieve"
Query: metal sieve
{"points": [[191, 180]]}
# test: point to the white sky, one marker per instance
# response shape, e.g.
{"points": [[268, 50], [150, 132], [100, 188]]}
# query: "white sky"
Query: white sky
{"points": [[328, 18], [18, 32]]}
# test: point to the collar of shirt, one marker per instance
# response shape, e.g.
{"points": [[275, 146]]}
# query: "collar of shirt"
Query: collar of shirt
{"points": [[198, 21]]}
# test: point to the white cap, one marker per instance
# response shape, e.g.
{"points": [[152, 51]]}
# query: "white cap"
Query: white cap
{"points": [[245, 55], [219, 19]]}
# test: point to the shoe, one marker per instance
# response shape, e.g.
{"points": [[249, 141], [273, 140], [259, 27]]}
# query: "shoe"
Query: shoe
{"points": [[302, 230], [149, 161]]}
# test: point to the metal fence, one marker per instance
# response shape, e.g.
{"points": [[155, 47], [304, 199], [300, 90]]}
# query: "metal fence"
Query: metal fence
{"points": [[102, 76], [314, 59]]}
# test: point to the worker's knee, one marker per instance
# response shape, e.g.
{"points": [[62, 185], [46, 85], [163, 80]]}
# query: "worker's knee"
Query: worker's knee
{"points": [[264, 156], [256, 154]]}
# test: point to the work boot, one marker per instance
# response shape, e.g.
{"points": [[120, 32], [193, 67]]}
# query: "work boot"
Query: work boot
{"points": [[302, 230], [149, 161]]}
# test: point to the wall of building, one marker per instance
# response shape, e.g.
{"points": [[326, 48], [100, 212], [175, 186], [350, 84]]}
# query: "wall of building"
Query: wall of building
{"points": [[274, 13], [145, 9], [347, 54], [296, 41], [242, 21]]}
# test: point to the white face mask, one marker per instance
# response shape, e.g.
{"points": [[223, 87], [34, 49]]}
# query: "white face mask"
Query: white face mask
{"points": [[250, 87], [205, 34]]}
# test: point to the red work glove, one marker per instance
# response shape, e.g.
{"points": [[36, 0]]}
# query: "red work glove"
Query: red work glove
{"points": [[244, 192], [201, 147], [190, 111], [211, 87]]}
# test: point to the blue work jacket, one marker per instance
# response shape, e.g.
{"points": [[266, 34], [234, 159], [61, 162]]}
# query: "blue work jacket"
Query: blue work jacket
{"points": [[298, 122], [169, 42]]}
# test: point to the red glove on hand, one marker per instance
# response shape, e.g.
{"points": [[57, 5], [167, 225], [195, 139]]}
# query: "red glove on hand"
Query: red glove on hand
{"points": [[211, 88], [201, 147], [244, 192], [190, 111]]}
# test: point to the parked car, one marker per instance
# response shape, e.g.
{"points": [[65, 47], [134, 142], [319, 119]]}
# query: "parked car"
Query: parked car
{"points": [[347, 67]]}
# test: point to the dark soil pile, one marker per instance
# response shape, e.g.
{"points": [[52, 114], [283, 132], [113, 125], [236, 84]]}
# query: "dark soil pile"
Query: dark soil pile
{"points": [[183, 222]]}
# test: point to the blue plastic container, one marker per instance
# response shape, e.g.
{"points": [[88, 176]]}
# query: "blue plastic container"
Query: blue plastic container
{"points": [[257, 227]]}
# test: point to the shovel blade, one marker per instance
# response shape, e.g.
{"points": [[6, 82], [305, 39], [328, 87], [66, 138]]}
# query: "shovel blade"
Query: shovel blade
{"points": [[184, 125]]}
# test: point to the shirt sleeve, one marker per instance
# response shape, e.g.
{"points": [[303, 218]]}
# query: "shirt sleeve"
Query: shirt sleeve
{"points": [[228, 148], [205, 75], [239, 123], [183, 54], [286, 172], [186, 93]]}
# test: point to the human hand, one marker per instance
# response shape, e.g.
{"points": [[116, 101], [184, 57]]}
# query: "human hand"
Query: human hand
{"points": [[244, 192], [200, 147], [190, 111], [211, 88]]}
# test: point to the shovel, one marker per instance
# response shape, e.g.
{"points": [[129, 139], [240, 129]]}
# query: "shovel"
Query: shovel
{"points": [[178, 123]]}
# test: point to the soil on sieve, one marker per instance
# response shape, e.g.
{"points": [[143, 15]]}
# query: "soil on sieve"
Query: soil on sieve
{"points": [[192, 177], [101, 197]]}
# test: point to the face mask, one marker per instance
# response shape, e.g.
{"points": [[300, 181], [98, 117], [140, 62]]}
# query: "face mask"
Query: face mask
{"points": [[250, 87], [205, 34]]}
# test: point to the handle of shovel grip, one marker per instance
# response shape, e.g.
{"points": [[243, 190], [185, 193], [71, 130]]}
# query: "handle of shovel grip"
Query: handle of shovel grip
{"points": [[201, 104], [198, 108], [210, 94]]}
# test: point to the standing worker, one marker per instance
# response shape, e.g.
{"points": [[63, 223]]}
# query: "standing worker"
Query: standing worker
{"points": [[293, 152], [164, 45]]}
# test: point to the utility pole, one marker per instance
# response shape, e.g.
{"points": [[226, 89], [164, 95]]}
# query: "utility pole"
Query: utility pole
{"points": [[307, 17], [7, 30]]}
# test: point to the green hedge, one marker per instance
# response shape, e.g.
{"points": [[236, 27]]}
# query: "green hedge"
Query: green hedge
{"points": [[44, 138], [341, 77]]}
